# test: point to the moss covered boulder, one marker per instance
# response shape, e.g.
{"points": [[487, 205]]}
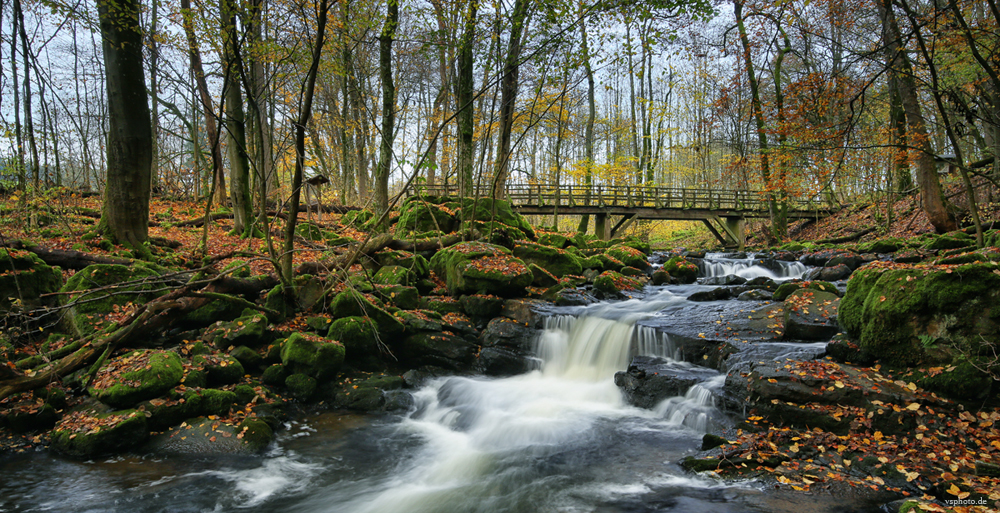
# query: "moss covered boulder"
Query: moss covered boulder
{"points": [[488, 209], [351, 303], [205, 435], [481, 268], [25, 277], [905, 315], [418, 215], [319, 357], [221, 369], [811, 314], [360, 338], [249, 330], [613, 284], [359, 219], [87, 433], [136, 376], [395, 275], [681, 269], [786, 289], [628, 255], [557, 261], [440, 349], [415, 264], [86, 289]]}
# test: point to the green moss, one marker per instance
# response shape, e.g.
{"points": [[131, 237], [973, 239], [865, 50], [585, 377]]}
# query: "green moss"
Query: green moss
{"points": [[351, 303], [301, 386], [138, 376], [237, 269], [786, 289], [358, 334], [960, 380], [613, 283], [418, 215], [257, 435], [681, 269], [216, 402], [394, 275], [556, 240], [309, 231], [77, 434], [628, 255], [554, 260], [25, 277], [405, 298], [221, 369], [90, 304], [312, 355], [249, 330], [274, 375], [488, 209]]}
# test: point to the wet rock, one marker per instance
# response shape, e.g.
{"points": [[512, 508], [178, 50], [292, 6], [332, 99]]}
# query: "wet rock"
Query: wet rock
{"points": [[480, 268], [302, 387], [834, 273], [629, 256], [88, 433], [729, 279], [811, 315], [353, 303], [755, 295], [524, 311], [437, 349], [681, 269], [660, 277], [762, 282], [611, 284], [570, 296], [221, 369], [716, 294], [371, 394], [507, 348], [557, 262], [649, 380], [37, 418], [787, 288], [247, 357], [480, 306], [199, 436], [312, 355]]}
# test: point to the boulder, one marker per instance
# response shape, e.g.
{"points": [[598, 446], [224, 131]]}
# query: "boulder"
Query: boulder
{"points": [[351, 303], [248, 330], [715, 294], [660, 277], [829, 273], [132, 284], [628, 255], [755, 295], [557, 261], [140, 375], [729, 279], [89, 433], [480, 268], [480, 306], [312, 355], [417, 265], [25, 277], [440, 349], [379, 392], [418, 216], [541, 277], [359, 335], [204, 436], [649, 380], [906, 315], [499, 211], [612, 284], [811, 315], [399, 296], [301, 386], [786, 289], [681, 269], [221, 369]]}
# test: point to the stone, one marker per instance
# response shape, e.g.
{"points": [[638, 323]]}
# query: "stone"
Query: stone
{"points": [[787, 288], [715, 294], [480, 306], [204, 436], [541, 277], [834, 273], [481, 268], [221, 369], [132, 284], [301, 386], [660, 277], [140, 375], [811, 315], [26, 277], [353, 303], [438, 349], [77, 434], [613, 284], [729, 279], [399, 296], [681, 269], [312, 355], [247, 330], [274, 375], [628, 256], [755, 295], [556, 261], [361, 341], [418, 216], [247, 357], [650, 380]]}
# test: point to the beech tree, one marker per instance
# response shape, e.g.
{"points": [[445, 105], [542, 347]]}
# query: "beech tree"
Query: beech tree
{"points": [[125, 215]]}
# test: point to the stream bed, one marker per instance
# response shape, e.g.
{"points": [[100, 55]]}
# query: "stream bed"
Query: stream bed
{"points": [[558, 439]]}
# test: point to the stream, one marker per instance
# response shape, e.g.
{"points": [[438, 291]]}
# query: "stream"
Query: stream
{"points": [[559, 439]]}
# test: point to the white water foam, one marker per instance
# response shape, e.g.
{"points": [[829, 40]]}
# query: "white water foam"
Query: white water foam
{"points": [[718, 264]]}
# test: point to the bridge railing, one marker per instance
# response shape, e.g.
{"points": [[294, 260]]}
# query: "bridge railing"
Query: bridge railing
{"points": [[629, 196]]}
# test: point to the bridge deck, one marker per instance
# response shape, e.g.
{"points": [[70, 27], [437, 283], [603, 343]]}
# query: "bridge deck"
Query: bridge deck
{"points": [[643, 202]]}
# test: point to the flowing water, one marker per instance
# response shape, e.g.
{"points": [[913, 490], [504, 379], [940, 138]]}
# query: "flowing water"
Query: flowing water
{"points": [[749, 267], [559, 439]]}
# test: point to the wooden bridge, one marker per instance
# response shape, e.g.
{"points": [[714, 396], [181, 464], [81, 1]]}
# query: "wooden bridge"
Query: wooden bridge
{"points": [[723, 211]]}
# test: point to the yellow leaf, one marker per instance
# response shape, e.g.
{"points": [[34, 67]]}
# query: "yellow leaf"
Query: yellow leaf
{"points": [[913, 407], [838, 384], [794, 447], [954, 490], [912, 386]]}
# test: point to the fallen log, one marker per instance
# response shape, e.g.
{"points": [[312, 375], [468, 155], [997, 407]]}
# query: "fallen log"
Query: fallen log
{"points": [[66, 258]]}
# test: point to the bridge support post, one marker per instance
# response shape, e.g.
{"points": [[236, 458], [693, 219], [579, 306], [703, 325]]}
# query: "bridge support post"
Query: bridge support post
{"points": [[737, 228], [601, 227]]}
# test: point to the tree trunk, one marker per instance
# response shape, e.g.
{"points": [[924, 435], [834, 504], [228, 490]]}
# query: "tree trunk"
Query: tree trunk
{"points": [[508, 96], [125, 216], [588, 134], [931, 198], [194, 54], [305, 111], [464, 88], [388, 110], [239, 165], [29, 127], [154, 56]]}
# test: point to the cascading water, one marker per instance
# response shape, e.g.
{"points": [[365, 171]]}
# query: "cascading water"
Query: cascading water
{"points": [[749, 267]]}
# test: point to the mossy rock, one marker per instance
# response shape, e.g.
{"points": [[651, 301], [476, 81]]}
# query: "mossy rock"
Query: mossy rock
{"points": [[249, 330], [221, 369], [395, 275], [488, 209], [172, 409], [359, 219], [612, 284], [542, 277], [94, 304], [951, 241], [217, 402], [554, 260], [204, 436], [889, 310], [312, 355], [37, 418], [438, 349], [237, 269], [86, 434], [417, 216], [274, 375], [404, 298], [786, 289], [359, 335], [302, 387], [482, 306], [248, 358], [962, 379], [681, 269], [636, 243], [602, 262], [556, 240], [882, 246], [309, 231], [481, 268], [628, 255], [212, 312], [309, 292], [417, 265], [26, 277], [137, 376], [351, 303]]}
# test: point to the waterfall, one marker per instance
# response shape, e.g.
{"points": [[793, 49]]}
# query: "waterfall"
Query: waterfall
{"points": [[722, 264]]}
